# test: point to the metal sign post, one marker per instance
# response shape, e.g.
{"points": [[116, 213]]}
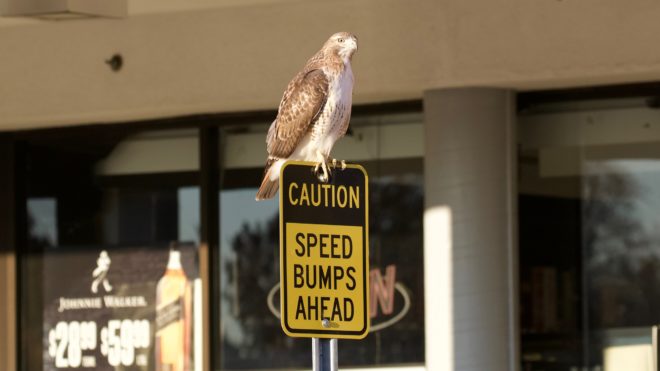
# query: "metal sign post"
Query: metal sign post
{"points": [[655, 343], [324, 354]]}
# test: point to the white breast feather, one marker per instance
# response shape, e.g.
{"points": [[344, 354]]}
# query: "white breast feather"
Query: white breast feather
{"points": [[340, 95]]}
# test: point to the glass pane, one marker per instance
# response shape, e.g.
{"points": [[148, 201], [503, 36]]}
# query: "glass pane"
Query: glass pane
{"points": [[622, 247], [252, 337], [589, 242], [110, 276]]}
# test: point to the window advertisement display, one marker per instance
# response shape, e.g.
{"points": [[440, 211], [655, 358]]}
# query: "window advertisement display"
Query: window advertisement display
{"points": [[120, 307], [110, 276], [390, 150]]}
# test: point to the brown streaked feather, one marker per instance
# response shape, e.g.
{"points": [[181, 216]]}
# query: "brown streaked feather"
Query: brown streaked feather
{"points": [[301, 104]]}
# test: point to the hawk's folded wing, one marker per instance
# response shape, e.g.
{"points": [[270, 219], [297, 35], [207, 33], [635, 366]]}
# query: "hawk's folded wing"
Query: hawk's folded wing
{"points": [[301, 104]]}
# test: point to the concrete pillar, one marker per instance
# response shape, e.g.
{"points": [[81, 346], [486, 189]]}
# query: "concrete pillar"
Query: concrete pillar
{"points": [[470, 253]]}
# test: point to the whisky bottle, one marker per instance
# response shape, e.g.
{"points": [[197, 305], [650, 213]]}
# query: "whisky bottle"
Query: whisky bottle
{"points": [[172, 318]]}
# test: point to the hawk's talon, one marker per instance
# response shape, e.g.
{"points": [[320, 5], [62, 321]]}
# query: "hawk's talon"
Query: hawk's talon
{"points": [[341, 164], [326, 173], [323, 175]]}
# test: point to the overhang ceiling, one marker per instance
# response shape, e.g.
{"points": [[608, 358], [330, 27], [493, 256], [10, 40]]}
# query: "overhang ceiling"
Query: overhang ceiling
{"points": [[147, 7]]}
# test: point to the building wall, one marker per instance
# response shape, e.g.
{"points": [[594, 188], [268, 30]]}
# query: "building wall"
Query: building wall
{"points": [[184, 57]]}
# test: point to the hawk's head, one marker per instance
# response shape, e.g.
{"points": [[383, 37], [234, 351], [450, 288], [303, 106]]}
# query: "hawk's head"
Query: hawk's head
{"points": [[342, 43]]}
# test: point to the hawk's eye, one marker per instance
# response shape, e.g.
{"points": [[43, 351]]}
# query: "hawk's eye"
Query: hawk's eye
{"points": [[341, 40]]}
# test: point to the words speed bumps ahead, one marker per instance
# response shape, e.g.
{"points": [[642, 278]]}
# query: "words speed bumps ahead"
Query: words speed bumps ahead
{"points": [[324, 252]]}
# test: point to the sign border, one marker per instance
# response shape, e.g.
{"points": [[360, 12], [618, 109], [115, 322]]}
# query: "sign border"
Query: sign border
{"points": [[355, 334]]}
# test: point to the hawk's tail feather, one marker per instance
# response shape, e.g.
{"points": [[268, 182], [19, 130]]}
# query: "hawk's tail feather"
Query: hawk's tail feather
{"points": [[267, 190], [268, 187]]}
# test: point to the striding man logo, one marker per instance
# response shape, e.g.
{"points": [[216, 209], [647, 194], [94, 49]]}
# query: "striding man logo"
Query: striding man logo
{"points": [[101, 272]]}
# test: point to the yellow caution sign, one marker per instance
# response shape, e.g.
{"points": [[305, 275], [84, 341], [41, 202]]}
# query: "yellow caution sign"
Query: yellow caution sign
{"points": [[324, 252]]}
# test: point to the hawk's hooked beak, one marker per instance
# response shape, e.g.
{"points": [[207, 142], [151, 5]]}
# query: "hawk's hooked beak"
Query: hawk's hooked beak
{"points": [[353, 43]]}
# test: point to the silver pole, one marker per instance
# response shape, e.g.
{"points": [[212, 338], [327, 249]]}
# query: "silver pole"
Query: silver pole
{"points": [[324, 354], [655, 333]]}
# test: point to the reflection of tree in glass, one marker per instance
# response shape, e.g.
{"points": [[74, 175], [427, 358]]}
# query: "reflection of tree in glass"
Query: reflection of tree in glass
{"points": [[622, 261], [396, 237], [250, 277]]}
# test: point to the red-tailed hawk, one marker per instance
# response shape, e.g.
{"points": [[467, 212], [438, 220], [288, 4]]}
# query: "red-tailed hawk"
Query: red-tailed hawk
{"points": [[314, 112]]}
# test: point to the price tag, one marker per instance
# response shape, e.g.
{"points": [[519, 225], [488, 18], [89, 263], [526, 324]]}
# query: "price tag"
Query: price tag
{"points": [[119, 342], [68, 340], [121, 338]]}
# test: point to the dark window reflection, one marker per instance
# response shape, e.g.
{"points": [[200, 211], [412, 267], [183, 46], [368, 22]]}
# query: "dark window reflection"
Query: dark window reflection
{"points": [[622, 247], [251, 334], [589, 235]]}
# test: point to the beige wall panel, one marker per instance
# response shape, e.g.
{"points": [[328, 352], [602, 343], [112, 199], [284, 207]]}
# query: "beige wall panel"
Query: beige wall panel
{"points": [[552, 43], [217, 60], [199, 56]]}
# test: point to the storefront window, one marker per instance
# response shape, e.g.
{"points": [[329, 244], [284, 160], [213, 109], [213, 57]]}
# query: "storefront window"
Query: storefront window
{"points": [[589, 240], [110, 259], [251, 336], [109, 273]]}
